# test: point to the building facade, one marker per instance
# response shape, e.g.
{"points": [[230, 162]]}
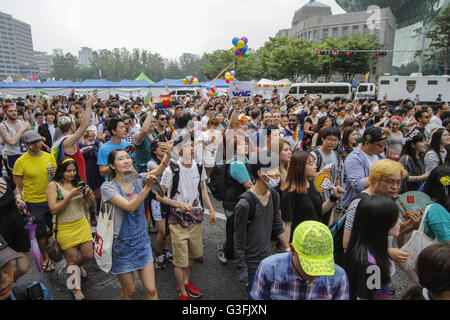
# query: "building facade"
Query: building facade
{"points": [[85, 57], [16, 46], [315, 21], [414, 18], [44, 63]]}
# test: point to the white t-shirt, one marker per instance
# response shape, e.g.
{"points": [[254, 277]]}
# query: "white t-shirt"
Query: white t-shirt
{"points": [[371, 159], [211, 140], [205, 120], [51, 129], [188, 184]]}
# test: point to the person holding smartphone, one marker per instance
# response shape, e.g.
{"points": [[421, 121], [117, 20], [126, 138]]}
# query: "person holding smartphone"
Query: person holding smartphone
{"points": [[66, 195]]}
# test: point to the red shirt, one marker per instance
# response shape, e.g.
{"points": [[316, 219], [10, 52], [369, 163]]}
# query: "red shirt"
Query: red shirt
{"points": [[79, 159]]}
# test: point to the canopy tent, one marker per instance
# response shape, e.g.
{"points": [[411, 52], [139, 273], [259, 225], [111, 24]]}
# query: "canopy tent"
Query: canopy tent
{"points": [[142, 76], [265, 87], [125, 88]]}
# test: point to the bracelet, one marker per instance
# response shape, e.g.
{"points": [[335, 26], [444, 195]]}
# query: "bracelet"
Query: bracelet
{"points": [[333, 198], [164, 164], [169, 202]]}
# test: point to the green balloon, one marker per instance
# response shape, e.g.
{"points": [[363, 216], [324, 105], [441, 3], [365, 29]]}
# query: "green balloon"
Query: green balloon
{"points": [[246, 54]]}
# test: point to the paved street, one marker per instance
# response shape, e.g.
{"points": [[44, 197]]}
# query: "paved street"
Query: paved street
{"points": [[217, 281]]}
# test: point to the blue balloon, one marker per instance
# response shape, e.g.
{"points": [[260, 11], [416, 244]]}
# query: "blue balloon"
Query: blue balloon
{"points": [[208, 88], [235, 41], [244, 49]]}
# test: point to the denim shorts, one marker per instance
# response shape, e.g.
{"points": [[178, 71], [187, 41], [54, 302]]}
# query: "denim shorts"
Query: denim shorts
{"points": [[131, 254]]}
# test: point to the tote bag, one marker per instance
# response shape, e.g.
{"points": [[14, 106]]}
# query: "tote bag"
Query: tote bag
{"points": [[104, 236], [418, 241]]}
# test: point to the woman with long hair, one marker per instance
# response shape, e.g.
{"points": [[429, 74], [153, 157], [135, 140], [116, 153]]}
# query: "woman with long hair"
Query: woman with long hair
{"points": [[300, 200], [285, 157], [131, 245], [66, 200], [310, 125], [348, 142], [412, 160], [437, 153], [367, 251], [437, 219]]}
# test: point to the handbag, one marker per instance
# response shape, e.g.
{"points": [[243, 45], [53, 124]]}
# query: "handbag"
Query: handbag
{"points": [[54, 248], [418, 241], [104, 236]]}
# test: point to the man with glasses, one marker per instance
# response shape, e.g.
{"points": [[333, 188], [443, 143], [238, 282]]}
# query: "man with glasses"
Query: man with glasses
{"points": [[209, 113], [161, 125], [360, 160], [385, 179]]}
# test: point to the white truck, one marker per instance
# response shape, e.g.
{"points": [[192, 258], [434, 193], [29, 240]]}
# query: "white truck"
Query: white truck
{"points": [[406, 87]]}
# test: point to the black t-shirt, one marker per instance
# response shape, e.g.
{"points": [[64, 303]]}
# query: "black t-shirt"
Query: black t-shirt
{"points": [[299, 207]]}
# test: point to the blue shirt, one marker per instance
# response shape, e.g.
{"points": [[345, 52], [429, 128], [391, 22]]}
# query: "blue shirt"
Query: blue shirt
{"points": [[105, 150], [276, 279], [437, 223], [356, 169]]}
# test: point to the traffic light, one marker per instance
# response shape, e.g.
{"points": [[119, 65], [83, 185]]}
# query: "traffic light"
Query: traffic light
{"points": [[381, 53], [322, 52]]}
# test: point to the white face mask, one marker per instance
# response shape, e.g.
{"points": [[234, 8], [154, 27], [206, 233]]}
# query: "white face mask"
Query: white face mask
{"points": [[272, 182]]}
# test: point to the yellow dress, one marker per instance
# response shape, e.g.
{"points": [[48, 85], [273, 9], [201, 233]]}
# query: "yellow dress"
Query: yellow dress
{"points": [[73, 226]]}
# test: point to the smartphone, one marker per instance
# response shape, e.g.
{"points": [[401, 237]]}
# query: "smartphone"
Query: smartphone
{"points": [[81, 184]]}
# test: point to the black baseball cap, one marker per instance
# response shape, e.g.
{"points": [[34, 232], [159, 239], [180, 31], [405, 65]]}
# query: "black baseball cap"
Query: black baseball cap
{"points": [[373, 134]]}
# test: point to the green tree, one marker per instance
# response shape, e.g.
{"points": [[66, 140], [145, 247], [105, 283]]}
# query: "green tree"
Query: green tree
{"points": [[65, 67]]}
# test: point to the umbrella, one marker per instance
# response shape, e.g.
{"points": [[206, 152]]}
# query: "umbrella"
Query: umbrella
{"points": [[31, 229]]}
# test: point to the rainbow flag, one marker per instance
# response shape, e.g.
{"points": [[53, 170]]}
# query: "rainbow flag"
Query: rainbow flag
{"points": [[173, 129], [298, 136], [147, 215]]}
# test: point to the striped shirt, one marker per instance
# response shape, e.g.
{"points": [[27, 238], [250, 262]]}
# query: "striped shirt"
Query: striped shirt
{"points": [[276, 279]]}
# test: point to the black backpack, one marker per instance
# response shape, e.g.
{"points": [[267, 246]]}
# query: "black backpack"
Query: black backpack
{"points": [[229, 248], [218, 181], [337, 231]]}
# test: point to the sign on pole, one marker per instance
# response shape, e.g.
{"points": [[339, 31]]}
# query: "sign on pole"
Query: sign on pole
{"points": [[335, 51]]}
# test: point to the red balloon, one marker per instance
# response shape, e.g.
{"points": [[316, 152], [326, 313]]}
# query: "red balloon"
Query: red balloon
{"points": [[227, 81], [166, 103]]}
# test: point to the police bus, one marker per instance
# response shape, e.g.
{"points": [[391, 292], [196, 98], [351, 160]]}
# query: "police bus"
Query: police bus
{"points": [[325, 90]]}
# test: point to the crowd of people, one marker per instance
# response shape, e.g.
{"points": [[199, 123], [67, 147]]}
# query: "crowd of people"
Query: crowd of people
{"points": [[67, 159]]}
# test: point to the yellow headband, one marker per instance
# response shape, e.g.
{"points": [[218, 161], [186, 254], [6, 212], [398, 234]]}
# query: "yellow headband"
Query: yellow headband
{"points": [[67, 160]]}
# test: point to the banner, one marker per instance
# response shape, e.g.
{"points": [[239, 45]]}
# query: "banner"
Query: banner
{"points": [[241, 88]]}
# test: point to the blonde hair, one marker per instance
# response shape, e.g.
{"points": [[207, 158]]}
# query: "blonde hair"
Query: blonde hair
{"points": [[385, 168]]}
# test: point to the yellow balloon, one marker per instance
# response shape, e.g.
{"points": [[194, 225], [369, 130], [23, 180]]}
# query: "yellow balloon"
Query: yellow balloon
{"points": [[234, 48], [240, 44]]}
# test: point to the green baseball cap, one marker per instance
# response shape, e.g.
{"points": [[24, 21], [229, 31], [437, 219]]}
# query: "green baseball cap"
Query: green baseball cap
{"points": [[313, 243]]}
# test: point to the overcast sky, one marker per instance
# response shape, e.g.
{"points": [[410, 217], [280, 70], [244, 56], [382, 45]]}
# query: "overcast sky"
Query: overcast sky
{"points": [[169, 27]]}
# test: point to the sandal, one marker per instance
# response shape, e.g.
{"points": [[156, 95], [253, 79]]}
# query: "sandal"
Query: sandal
{"points": [[78, 296], [84, 273], [49, 266]]}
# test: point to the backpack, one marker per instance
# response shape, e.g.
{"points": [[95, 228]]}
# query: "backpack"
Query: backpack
{"points": [[229, 248], [337, 231], [319, 157], [218, 181]]}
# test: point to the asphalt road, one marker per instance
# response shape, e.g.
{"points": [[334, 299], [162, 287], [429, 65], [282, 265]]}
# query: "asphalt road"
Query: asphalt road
{"points": [[217, 281]]}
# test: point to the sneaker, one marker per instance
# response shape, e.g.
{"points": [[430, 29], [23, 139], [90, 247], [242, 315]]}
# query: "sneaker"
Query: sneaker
{"points": [[168, 255], [183, 297], [160, 261], [221, 255], [192, 291]]}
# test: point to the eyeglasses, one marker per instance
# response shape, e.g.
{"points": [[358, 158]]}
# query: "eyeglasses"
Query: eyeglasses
{"points": [[163, 119], [392, 182], [380, 144]]}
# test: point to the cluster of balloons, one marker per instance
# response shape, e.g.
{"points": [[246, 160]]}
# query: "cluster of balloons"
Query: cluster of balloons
{"points": [[240, 47], [190, 80], [229, 76], [212, 91]]}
